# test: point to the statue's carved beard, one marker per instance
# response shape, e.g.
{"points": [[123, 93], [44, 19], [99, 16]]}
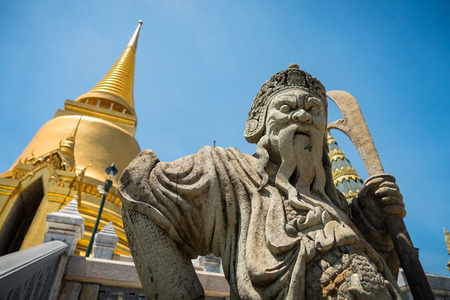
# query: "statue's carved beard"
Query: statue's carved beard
{"points": [[301, 170]]}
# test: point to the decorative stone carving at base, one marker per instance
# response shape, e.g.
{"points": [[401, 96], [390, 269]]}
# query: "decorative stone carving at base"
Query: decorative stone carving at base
{"points": [[105, 242], [65, 225]]}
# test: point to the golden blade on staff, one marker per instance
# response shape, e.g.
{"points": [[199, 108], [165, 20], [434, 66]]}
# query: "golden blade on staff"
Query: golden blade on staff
{"points": [[355, 127]]}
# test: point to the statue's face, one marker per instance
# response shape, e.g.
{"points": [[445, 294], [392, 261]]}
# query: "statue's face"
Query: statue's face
{"points": [[298, 115]]}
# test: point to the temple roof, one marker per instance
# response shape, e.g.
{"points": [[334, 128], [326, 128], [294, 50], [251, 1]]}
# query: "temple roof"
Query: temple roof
{"points": [[345, 177]]}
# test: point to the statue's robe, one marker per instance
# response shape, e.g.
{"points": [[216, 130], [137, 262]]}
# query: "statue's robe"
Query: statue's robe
{"points": [[210, 202]]}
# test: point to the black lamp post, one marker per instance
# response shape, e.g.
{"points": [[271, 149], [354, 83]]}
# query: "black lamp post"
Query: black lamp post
{"points": [[110, 175]]}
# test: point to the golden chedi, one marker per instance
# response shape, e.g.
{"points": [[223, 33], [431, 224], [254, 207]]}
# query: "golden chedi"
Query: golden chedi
{"points": [[68, 156]]}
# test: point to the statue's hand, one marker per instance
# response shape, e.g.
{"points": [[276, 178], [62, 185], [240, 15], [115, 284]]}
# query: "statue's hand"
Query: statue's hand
{"points": [[379, 198], [382, 189], [378, 201]]}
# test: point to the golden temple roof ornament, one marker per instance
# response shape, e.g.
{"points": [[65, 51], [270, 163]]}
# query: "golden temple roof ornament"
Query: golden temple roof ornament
{"points": [[134, 39], [345, 177], [68, 146], [115, 90]]}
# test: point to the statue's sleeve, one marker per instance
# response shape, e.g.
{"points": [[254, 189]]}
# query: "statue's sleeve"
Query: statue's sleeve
{"points": [[183, 197], [159, 211], [174, 211]]}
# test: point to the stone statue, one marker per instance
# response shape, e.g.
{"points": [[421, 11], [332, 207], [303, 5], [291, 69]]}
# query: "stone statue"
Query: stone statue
{"points": [[281, 227], [447, 243]]}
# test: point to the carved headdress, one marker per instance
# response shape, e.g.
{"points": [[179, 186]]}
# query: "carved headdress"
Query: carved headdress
{"points": [[292, 77]]}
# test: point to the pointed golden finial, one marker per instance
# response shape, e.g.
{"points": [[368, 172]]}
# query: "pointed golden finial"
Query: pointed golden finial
{"points": [[115, 90], [134, 39]]}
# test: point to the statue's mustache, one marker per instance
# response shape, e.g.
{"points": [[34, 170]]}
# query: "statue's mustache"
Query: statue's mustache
{"points": [[288, 160], [290, 141]]}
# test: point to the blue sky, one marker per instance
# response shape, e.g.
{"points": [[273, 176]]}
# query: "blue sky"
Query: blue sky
{"points": [[200, 63]]}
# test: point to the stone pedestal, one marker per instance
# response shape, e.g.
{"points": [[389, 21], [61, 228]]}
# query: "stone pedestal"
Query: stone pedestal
{"points": [[105, 242], [65, 225]]}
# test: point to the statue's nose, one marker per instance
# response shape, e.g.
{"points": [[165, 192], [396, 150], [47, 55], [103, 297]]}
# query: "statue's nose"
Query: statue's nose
{"points": [[301, 116]]}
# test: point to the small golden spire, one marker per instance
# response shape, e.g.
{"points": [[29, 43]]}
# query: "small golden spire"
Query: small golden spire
{"points": [[115, 90], [68, 146]]}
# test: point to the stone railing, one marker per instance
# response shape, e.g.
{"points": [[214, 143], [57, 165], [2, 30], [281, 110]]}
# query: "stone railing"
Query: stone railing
{"points": [[37, 272], [29, 274]]}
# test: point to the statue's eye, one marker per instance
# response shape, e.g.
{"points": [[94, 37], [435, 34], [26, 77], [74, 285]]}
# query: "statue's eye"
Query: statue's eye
{"points": [[314, 110], [285, 108]]}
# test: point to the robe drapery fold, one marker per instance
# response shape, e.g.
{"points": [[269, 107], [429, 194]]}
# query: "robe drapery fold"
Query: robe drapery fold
{"points": [[209, 202]]}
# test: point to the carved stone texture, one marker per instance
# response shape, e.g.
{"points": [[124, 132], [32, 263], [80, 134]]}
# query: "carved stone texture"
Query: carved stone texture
{"points": [[105, 242], [28, 274], [65, 225], [278, 223]]}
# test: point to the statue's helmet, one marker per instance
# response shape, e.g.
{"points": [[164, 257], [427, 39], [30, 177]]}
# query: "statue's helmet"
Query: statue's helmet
{"points": [[290, 78]]}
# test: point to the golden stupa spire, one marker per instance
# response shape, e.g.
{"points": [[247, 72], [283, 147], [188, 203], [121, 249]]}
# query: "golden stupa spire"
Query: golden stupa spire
{"points": [[115, 90]]}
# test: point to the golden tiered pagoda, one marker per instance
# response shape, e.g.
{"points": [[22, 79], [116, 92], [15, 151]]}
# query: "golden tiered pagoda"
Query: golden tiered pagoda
{"points": [[345, 177], [68, 156]]}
